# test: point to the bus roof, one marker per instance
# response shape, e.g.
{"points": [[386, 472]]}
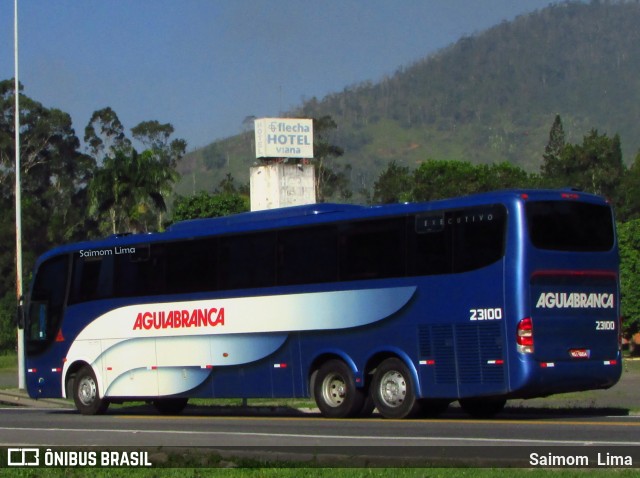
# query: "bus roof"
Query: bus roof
{"points": [[313, 214], [341, 212], [267, 216]]}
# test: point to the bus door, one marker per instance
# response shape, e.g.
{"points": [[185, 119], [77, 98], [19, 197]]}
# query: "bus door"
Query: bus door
{"points": [[44, 340]]}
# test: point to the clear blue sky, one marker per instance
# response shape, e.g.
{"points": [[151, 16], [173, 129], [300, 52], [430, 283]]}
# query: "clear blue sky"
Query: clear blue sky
{"points": [[205, 65]]}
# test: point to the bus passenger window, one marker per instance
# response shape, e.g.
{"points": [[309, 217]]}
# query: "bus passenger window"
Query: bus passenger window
{"points": [[307, 256], [92, 278], [191, 266], [248, 261], [429, 245], [453, 241], [373, 249], [479, 237], [140, 273]]}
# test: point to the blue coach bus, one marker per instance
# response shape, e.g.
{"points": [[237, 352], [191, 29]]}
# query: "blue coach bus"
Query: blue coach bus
{"points": [[403, 307]]}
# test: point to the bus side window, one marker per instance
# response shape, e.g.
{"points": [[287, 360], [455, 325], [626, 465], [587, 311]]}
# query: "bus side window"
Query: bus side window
{"points": [[247, 261], [461, 240], [430, 250], [479, 238], [307, 256], [92, 278], [373, 249], [141, 272], [191, 266]]}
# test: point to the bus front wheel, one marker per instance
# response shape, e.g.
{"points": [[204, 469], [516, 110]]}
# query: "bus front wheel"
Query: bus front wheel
{"points": [[335, 391], [86, 394], [393, 390]]}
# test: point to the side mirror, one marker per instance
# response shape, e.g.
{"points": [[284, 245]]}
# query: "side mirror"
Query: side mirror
{"points": [[20, 313]]}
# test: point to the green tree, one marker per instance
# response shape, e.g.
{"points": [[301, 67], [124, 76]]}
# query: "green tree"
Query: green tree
{"points": [[336, 183], [156, 137], [595, 166], [54, 177], [163, 155], [328, 181], [111, 191], [393, 185], [628, 204], [8, 305], [128, 187], [553, 149], [629, 243], [443, 179], [227, 199], [131, 187], [104, 134], [602, 160], [204, 205], [156, 175], [228, 185], [492, 177]]}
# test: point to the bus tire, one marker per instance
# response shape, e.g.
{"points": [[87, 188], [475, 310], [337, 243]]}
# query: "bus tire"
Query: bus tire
{"points": [[335, 391], [482, 407], [170, 406], [86, 394], [393, 391]]}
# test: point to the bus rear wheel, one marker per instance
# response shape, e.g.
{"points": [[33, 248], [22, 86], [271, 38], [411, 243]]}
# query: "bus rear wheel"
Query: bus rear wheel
{"points": [[86, 394], [393, 390], [335, 391]]}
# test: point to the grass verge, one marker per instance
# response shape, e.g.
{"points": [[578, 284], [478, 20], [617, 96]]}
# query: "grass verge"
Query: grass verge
{"points": [[8, 362]]}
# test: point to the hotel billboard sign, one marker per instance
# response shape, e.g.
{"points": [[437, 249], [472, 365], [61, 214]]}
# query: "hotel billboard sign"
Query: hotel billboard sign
{"points": [[284, 138]]}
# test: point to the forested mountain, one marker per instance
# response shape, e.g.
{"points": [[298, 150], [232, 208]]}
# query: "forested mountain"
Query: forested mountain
{"points": [[490, 97]]}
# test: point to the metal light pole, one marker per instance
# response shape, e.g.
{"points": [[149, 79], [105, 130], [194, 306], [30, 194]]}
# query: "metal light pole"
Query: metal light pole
{"points": [[18, 192]]}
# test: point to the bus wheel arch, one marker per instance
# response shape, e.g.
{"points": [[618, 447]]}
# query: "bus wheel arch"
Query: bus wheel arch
{"points": [[70, 378], [82, 385], [322, 358], [333, 386]]}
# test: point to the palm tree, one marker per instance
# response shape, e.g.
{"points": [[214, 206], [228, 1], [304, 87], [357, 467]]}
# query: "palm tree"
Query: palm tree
{"points": [[130, 187]]}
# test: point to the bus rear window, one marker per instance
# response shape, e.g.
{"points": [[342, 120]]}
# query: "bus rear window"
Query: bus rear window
{"points": [[570, 226]]}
